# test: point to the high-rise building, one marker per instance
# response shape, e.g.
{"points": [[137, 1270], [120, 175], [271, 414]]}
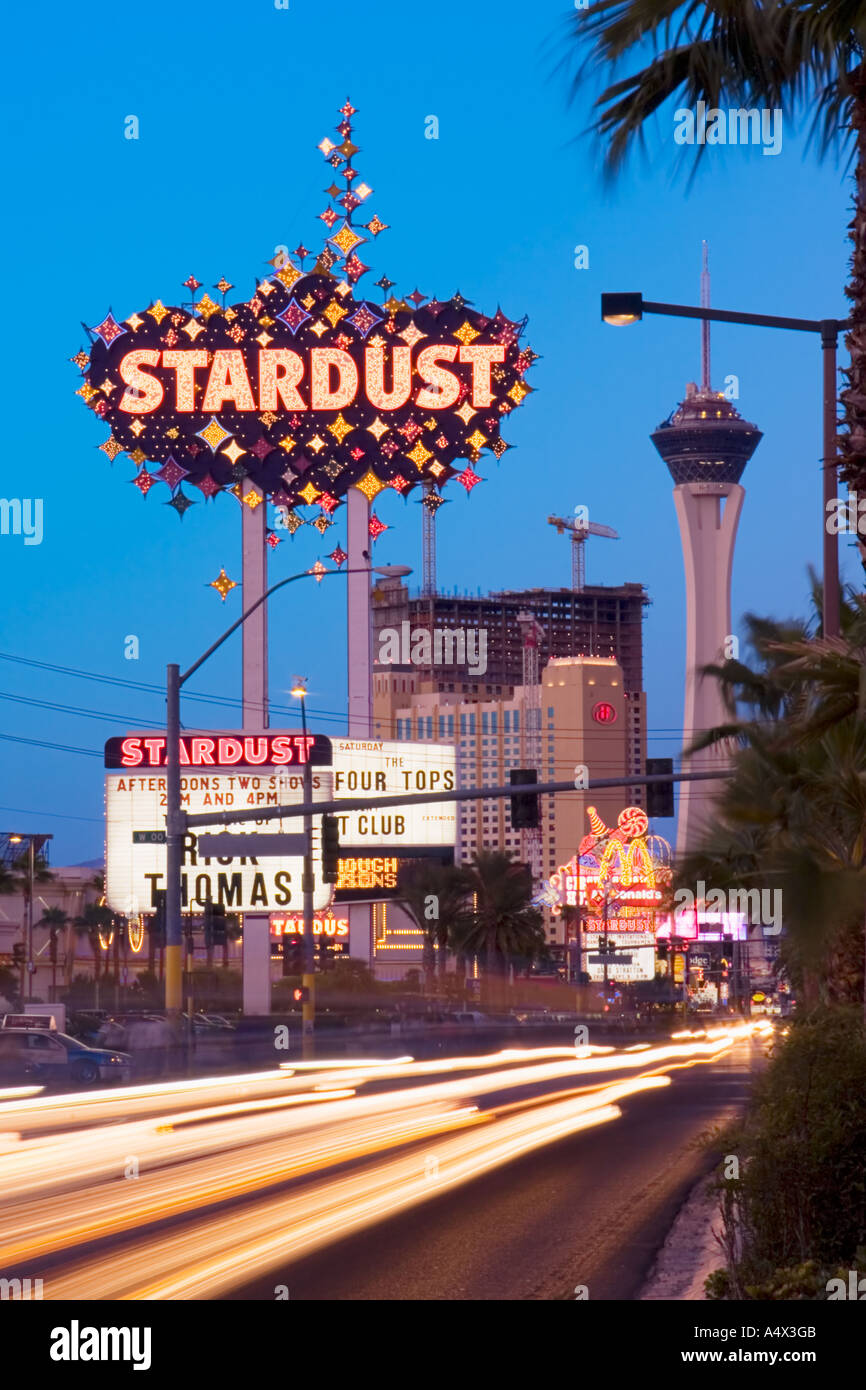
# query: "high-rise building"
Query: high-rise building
{"points": [[581, 714]]}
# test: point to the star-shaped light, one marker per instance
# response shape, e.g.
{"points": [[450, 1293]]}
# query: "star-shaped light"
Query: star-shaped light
{"points": [[193, 328], [273, 540], [432, 501], [355, 268], [108, 330], [376, 527], [144, 482], [334, 313], [309, 494], [364, 319], [233, 451], [223, 584], [319, 570], [181, 503], [400, 484], [158, 311], [223, 285], [468, 479], [208, 486], [206, 307], [377, 429], [213, 434], [338, 556], [252, 498], [376, 225], [81, 360], [340, 428], [322, 523], [171, 472], [419, 455], [370, 485], [192, 284]]}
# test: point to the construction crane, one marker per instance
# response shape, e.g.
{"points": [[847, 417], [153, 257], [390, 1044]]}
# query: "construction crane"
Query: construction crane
{"points": [[580, 530]]}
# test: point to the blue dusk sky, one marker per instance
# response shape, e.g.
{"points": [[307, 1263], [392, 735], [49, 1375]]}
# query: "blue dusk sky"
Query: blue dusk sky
{"points": [[231, 102]]}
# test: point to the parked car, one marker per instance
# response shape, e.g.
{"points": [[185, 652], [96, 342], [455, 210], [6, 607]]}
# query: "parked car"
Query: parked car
{"points": [[43, 1054]]}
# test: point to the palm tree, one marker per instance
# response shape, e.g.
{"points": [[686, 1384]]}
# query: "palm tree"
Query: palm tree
{"points": [[501, 926], [56, 920], [435, 897], [94, 919], [793, 814], [808, 56]]}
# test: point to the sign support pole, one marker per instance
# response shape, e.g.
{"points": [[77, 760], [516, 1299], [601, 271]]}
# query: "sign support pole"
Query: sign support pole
{"points": [[173, 846], [359, 652], [255, 630]]}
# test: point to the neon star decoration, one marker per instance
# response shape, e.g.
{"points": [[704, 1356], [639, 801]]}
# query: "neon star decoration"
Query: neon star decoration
{"points": [[223, 584], [308, 366]]}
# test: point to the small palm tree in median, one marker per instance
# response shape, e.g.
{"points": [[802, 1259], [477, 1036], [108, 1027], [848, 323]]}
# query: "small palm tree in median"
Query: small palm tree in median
{"points": [[435, 896]]}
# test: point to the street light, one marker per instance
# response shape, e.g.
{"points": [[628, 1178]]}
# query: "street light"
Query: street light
{"points": [[308, 979], [624, 309], [175, 818]]}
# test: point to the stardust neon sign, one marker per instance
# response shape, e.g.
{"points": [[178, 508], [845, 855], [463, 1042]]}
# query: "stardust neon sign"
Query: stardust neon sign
{"points": [[333, 378], [220, 750]]}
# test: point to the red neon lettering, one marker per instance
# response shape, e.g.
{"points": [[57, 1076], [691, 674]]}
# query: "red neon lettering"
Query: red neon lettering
{"points": [[303, 745], [131, 754], [154, 748], [231, 750], [260, 755], [202, 752], [281, 749]]}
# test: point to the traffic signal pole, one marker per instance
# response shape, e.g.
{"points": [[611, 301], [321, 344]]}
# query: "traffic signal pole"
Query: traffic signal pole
{"points": [[174, 836], [308, 980]]}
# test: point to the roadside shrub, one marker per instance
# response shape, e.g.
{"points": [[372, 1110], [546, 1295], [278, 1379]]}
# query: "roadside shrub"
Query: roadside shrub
{"points": [[797, 1213]]}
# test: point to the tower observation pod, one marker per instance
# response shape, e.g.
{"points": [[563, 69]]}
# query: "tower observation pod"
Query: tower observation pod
{"points": [[706, 444]]}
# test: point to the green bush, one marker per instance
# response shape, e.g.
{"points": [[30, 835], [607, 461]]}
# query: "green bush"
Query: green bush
{"points": [[796, 1215]]}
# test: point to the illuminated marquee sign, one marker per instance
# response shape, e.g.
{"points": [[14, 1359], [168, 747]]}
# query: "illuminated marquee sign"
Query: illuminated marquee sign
{"points": [[306, 387], [375, 879], [388, 768], [293, 925], [209, 749], [135, 865]]}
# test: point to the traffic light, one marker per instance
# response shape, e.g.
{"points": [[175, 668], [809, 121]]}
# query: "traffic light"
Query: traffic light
{"points": [[330, 849], [524, 808], [301, 995], [293, 955], [659, 795], [156, 924], [214, 924]]}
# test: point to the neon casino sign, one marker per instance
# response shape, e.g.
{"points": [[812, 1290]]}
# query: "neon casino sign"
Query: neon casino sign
{"points": [[615, 866], [307, 387]]}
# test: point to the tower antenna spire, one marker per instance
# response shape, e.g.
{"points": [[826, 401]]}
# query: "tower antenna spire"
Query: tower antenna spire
{"points": [[705, 323]]}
